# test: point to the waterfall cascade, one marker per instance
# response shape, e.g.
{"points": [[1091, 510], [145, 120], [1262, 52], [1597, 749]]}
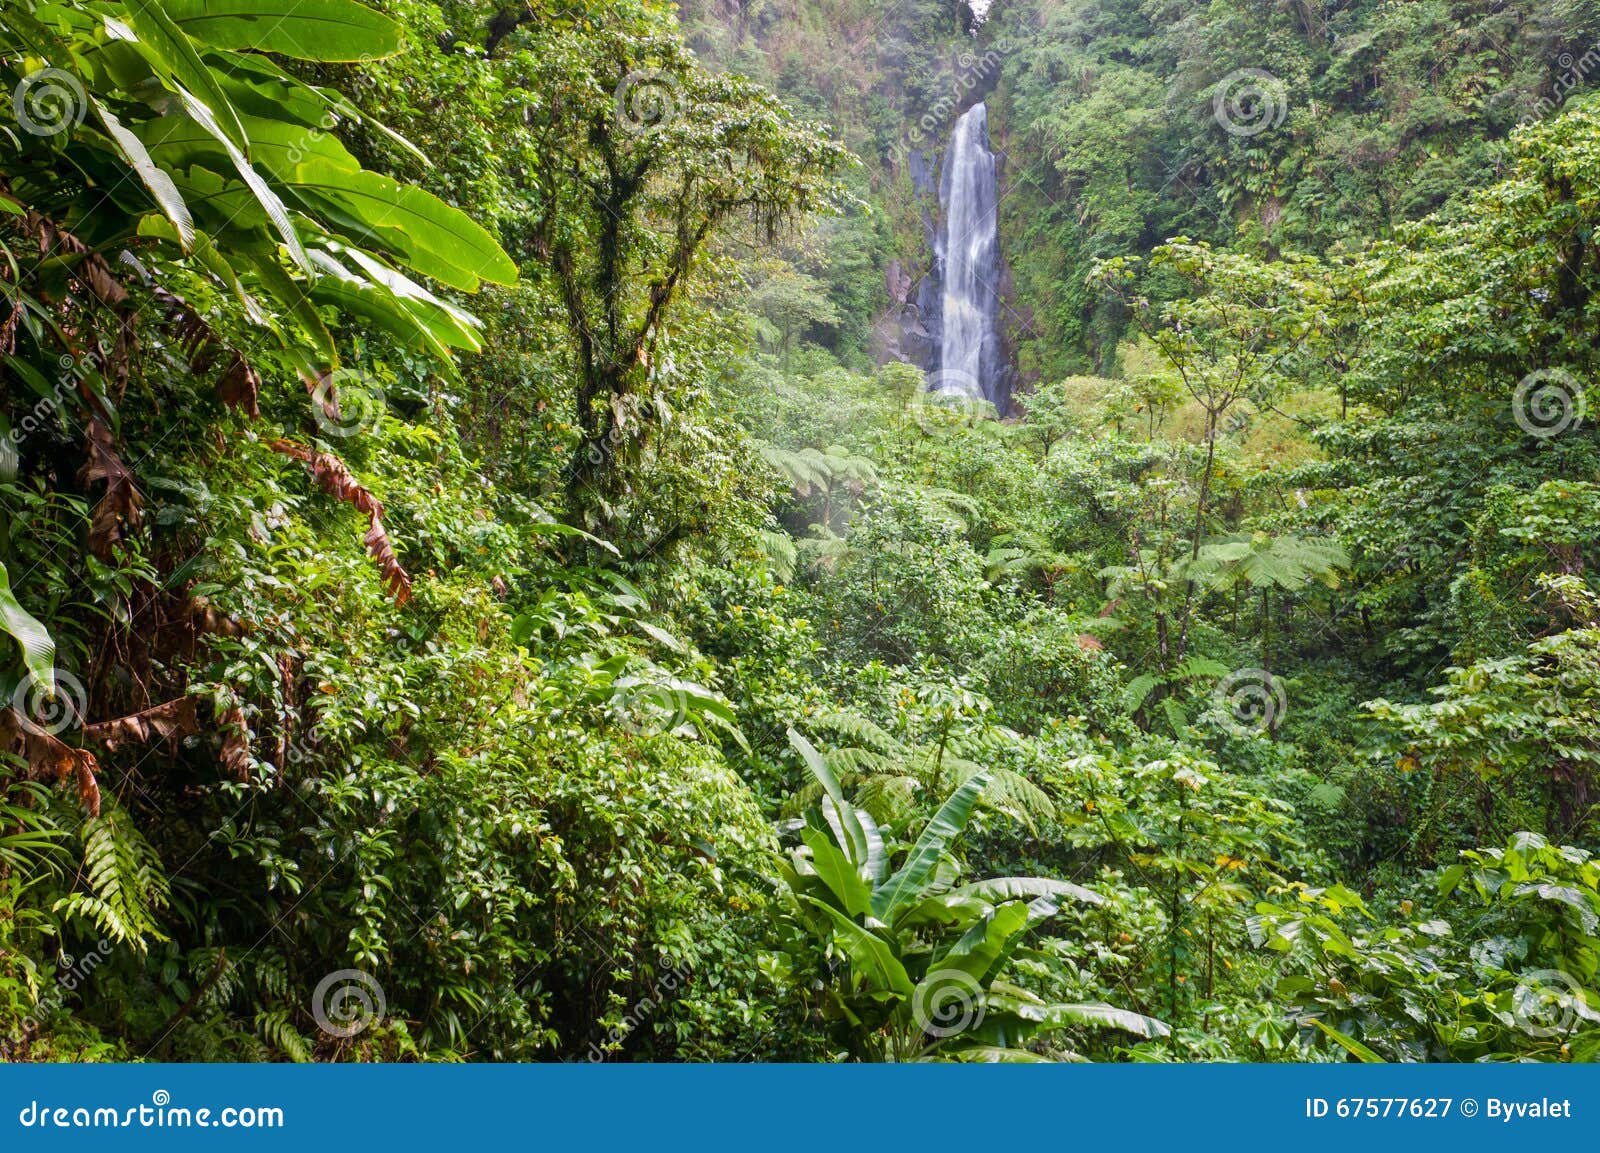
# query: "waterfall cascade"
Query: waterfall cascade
{"points": [[971, 360]]}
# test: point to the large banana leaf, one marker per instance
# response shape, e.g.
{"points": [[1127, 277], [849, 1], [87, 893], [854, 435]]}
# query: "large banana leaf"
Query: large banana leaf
{"points": [[959, 912], [271, 203], [841, 877], [907, 884], [870, 955], [331, 31], [997, 889], [157, 180], [842, 816], [877, 860], [425, 232], [1012, 1017], [977, 950], [174, 59], [38, 648], [433, 238]]}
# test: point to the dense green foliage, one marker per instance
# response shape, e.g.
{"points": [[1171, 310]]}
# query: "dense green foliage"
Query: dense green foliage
{"points": [[471, 590]]}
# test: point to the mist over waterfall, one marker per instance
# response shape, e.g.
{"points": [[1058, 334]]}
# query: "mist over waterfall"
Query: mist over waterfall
{"points": [[971, 360]]}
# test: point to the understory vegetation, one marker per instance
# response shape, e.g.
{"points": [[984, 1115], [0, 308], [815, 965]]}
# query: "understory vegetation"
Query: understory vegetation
{"points": [[476, 585]]}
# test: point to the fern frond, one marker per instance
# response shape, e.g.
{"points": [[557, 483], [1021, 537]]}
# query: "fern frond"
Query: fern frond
{"points": [[850, 763], [858, 729], [888, 798], [1010, 793], [279, 1032], [780, 552], [1139, 690], [127, 885]]}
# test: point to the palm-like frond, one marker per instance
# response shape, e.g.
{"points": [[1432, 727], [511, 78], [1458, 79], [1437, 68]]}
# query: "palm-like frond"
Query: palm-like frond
{"points": [[813, 470], [891, 776], [1263, 561]]}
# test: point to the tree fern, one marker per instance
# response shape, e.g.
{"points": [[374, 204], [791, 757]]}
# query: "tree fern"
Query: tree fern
{"points": [[810, 471], [1263, 561], [780, 551], [890, 775], [964, 510], [858, 728]]}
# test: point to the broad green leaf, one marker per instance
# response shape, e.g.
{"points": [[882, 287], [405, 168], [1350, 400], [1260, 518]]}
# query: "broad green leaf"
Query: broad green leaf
{"points": [[1581, 902], [997, 889], [977, 950], [423, 232], [840, 813], [38, 648], [378, 305], [269, 200], [294, 297], [877, 859], [838, 874], [175, 60], [906, 885], [438, 324], [1056, 1016], [429, 235], [870, 955], [332, 31], [454, 326], [162, 190], [944, 909], [660, 636], [557, 528], [1350, 1044]]}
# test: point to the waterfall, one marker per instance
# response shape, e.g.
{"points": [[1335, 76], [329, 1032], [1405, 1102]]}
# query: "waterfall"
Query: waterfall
{"points": [[970, 358]]}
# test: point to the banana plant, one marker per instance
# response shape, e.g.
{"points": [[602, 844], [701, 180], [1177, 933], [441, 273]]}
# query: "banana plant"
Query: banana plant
{"points": [[162, 127], [921, 958]]}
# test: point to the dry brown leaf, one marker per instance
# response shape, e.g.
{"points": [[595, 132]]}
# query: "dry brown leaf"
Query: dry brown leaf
{"points": [[329, 400], [121, 503], [240, 386], [236, 757], [337, 481], [49, 756], [175, 718]]}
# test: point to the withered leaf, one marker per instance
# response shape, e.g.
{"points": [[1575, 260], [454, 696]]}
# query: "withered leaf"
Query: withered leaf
{"points": [[121, 503], [337, 481], [175, 718]]}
